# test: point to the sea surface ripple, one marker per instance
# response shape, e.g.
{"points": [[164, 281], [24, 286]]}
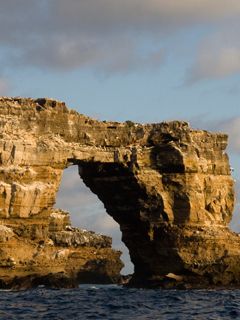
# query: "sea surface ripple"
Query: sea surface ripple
{"points": [[115, 302]]}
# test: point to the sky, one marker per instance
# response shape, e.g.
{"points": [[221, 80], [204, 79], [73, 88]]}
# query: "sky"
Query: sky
{"points": [[145, 61]]}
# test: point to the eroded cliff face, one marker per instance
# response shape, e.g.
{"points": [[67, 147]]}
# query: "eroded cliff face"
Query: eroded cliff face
{"points": [[168, 186]]}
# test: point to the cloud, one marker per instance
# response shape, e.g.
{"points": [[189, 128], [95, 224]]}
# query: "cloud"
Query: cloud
{"points": [[218, 56], [4, 87], [105, 35], [86, 209], [215, 63], [151, 15], [232, 128], [73, 194], [68, 53]]}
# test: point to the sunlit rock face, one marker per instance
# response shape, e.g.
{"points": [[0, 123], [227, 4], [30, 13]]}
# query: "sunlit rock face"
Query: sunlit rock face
{"points": [[168, 186]]}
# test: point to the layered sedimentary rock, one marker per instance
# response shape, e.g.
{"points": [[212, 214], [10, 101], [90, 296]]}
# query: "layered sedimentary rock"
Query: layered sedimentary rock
{"points": [[168, 186], [64, 257]]}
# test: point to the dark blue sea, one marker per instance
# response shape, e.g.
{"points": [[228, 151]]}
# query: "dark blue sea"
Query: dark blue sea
{"points": [[115, 303]]}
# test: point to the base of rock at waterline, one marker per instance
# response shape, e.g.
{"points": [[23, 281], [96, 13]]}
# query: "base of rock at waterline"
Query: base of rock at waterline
{"points": [[66, 257]]}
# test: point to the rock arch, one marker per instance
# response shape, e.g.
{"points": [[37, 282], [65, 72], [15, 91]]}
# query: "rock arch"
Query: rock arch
{"points": [[168, 186]]}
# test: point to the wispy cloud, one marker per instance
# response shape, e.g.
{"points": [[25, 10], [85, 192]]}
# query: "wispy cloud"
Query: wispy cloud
{"points": [[232, 127], [218, 56], [4, 87]]}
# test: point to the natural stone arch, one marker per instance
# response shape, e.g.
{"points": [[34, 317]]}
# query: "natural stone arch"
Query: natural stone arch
{"points": [[167, 185]]}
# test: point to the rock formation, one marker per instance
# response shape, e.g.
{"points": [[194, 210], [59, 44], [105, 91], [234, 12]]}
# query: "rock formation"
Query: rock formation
{"points": [[168, 186]]}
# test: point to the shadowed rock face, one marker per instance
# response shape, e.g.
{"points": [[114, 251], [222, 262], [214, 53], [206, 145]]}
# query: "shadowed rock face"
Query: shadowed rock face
{"points": [[168, 186]]}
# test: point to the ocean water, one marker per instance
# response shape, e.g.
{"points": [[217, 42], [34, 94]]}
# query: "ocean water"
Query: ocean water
{"points": [[115, 302]]}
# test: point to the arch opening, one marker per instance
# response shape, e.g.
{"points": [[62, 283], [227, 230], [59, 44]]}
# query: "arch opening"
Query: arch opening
{"points": [[87, 212]]}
